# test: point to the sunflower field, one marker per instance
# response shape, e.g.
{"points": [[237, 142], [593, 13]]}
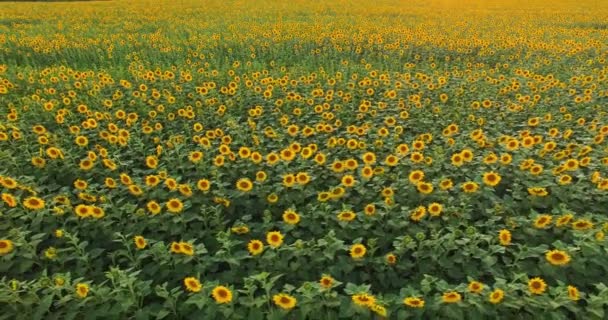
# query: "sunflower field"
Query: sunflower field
{"points": [[266, 159]]}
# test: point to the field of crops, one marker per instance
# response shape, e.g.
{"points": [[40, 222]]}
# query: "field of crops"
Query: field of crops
{"points": [[427, 159]]}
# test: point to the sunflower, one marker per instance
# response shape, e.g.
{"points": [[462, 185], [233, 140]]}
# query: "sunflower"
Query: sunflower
{"points": [[291, 217], [418, 213], [255, 247], [289, 180], [435, 209], [302, 178], [446, 184], [272, 198], [537, 285], [86, 164], [9, 200], [391, 160], [557, 257], [6, 247], [391, 259], [357, 251], [414, 302], [326, 281], [416, 176], [221, 294], [370, 209], [378, 309], [97, 212], [369, 158], [82, 290], [364, 299], [83, 211], [152, 180], [151, 162], [284, 301], [470, 187], [564, 220], [80, 184], [261, 176], [573, 293], [33, 203], [451, 297], [274, 239], [582, 224], [195, 156], [491, 179], [347, 215], [203, 185], [367, 172], [457, 160], [175, 247], [564, 180], [424, 187], [186, 248], [175, 205], [475, 287], [192, 284], [140, 242], [348, 181], [496, 296], [543, 221], [242, 229], [538, 191], [110, 183], [135, 190], [153, 207], [504, 236], [244, 185]]}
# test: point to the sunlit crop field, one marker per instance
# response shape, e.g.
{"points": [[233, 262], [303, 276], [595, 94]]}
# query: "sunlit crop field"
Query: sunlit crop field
{"points": [[304, 160]]}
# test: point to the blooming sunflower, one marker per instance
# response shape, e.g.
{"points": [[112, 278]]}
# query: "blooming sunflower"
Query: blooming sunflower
{"points": [[153, 207], [364, 299], [357, 251], [470, 187], [6, 247], [221, 294], [537, 285], [504, 236], [274, 239], [82, 290], [573, 293], [451, 297], [424, 187], [255, 247], [291, 217], [244, 185], [284, 301], [140, 242], [557, 257], [175, 205], [497, 296], [348, 181], [326, 281], [414, 302], [33, 203], [9, 200], [435, 209], [475, 287], [192, 284], [491, 179]]}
